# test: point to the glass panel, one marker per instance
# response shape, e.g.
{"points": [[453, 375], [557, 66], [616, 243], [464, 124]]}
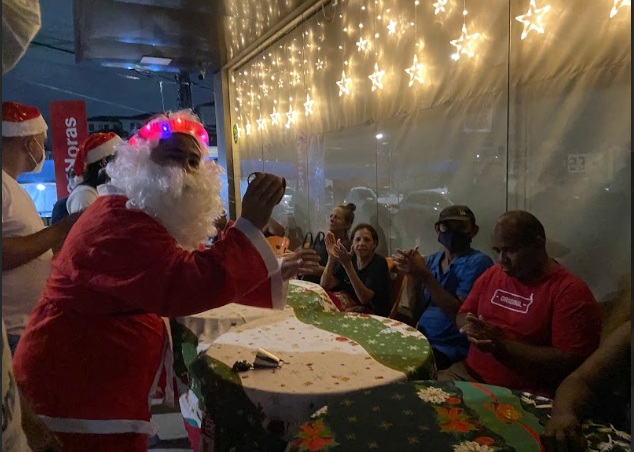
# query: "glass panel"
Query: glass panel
{"points": [[406, 108]]}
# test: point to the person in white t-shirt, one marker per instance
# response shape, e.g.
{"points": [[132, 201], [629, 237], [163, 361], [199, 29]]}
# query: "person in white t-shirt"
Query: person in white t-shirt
{"points": [[93, 155], [27, 246]]}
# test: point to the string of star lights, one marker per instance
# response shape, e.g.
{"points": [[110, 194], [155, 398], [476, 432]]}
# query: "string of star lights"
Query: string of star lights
{"points": [[345, 82], [284, 84], [377, 76], [363, 44], [416, 70], [533, 19], [308, 105], [618, 4], [465, 43]]}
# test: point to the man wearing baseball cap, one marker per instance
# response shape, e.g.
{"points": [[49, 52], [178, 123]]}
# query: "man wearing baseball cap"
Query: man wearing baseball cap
{"points": [[440, 282]]}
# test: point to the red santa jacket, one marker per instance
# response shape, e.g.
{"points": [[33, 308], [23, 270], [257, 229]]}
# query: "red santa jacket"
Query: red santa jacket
{"points": [[90, 353]]}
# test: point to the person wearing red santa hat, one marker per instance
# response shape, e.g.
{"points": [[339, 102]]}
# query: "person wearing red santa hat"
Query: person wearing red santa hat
{"points": [[26, 244], [96, 336], [93, 155]]}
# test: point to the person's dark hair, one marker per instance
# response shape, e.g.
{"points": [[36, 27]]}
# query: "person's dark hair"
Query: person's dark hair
{"points": [[527, 226], [369, 227], [93, 176], [348, 215]]}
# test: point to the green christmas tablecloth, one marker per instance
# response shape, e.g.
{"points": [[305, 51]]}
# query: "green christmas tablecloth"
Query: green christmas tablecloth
{"points": [[326, 353], [438, 416]]}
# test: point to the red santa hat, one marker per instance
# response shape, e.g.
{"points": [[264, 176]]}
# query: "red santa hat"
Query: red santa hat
{"points": [[94, 148], [20, 120]]}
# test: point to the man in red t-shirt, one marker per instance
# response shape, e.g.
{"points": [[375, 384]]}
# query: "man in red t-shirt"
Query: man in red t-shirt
{"points": [[529, 320]]}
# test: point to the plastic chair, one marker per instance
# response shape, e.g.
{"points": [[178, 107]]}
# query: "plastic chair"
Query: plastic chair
{"points": [[396, 285], [279, 244]]}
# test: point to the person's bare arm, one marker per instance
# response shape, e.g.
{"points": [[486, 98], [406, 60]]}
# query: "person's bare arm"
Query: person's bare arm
{"points": [[17, 251], [327, 280], [413, 264], [577, 391]]}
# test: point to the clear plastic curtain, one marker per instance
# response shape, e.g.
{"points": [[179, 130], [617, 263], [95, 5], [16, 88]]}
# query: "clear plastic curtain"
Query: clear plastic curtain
{"points": [[406, 107]]}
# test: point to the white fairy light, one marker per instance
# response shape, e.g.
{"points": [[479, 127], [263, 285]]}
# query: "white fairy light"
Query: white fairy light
{"points": [[376, 78], [308, 105], [416, 72], [344, 84], [532, 20]]}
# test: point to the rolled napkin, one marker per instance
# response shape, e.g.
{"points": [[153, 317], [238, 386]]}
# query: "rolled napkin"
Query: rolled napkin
{"points": [[265, 358]]}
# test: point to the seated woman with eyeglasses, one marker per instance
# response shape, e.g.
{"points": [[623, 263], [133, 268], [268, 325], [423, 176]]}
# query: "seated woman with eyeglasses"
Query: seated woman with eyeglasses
{"points": [[357, 277]]}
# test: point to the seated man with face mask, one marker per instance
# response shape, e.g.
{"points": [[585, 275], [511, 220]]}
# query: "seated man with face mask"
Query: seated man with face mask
{"points": [[440, 282]]}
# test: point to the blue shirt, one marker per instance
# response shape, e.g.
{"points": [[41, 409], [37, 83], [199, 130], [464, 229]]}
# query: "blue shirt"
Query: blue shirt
{"points": [[442, 331]]}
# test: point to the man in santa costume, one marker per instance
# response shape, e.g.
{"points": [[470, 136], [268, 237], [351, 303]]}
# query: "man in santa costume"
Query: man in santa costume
{"points": [[26, 243], [96, 337]]}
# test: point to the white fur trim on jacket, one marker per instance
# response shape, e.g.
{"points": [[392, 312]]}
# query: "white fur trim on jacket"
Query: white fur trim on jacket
{"points": [[279, 287]]}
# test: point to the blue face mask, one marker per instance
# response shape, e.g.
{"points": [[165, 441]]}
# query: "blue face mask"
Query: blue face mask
{"points": [[454, 241]]}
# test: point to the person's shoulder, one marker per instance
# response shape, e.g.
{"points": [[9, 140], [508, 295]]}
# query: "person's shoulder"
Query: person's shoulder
{"points": [[478, 257], [81, 191], [566, 279], [434, 257], [494, 271], [379, 259]]}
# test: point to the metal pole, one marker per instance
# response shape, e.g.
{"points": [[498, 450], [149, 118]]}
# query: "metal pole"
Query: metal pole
{"points": [[184, 90]]}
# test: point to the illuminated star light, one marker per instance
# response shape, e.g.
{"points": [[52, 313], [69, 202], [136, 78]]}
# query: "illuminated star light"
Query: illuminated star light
{"points": [[391, 28], [308, 105], [440, 6], [464, 44], [532, 20], [416, 72], [362, 45], [291, 116], [319, 65], [344, 84], [376, 78], [261, 123], [275, 117], [618, 4]]}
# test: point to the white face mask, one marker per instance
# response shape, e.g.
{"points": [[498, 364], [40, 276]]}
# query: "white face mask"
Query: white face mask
{"points": [[38, 165]]}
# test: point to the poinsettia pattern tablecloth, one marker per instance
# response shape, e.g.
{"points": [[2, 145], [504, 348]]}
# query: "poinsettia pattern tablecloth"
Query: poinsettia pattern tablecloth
{"points": [[325, 354], [439, 417]]}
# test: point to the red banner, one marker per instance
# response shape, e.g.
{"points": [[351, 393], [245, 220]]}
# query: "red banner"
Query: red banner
{"points": [[68, 128]]}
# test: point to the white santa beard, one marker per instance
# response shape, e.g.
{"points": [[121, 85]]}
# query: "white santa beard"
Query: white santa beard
{"points": [[184, 203]]}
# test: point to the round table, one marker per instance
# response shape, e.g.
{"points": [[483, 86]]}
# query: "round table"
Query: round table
{"points": [[438, 416], [207, 326], [325, 354], [194, 334]]}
